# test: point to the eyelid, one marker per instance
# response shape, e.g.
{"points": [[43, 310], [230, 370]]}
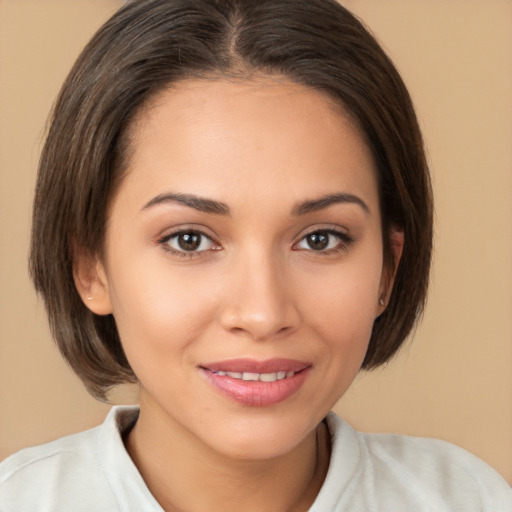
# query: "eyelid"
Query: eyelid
{"points": [[162, 240], [345, 240], [325, 228]]}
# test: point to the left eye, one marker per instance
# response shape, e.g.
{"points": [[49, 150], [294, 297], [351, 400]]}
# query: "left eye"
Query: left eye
{"points": [[322, 240], [189, 241]]}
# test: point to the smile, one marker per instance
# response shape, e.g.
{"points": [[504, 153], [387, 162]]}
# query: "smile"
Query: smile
{"points": [[262, 377], [257, 383]]}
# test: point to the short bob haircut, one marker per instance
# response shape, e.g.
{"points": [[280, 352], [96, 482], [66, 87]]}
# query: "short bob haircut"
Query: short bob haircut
{"points": [[149, 45]]}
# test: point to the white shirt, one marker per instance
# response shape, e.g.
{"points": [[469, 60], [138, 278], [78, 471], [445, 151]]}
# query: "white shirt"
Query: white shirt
{"points": [[92, 472]]}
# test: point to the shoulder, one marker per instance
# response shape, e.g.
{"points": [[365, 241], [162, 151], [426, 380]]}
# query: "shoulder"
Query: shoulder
{"points": [[61, 449], [66, 474], [440, 468], [418, 473]]}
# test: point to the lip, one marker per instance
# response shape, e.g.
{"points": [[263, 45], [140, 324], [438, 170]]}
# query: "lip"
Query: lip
{"points": [[253, 365], [257, 393]]}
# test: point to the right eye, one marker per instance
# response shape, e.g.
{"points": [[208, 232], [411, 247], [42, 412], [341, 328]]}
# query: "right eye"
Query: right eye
{"points": [[187, 242]]}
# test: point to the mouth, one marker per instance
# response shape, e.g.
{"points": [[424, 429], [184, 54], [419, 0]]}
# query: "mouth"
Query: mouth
{"points": [[256, 377], [257, 383]]}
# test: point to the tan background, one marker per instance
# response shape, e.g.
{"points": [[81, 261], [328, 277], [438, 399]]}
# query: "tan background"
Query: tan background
{"points": [[455, 380]]}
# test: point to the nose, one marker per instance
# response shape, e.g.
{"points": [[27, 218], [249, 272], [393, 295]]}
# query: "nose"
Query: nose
{"points": [[261, 300]]}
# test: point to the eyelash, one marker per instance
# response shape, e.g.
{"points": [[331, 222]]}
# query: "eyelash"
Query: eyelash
{"points": [[163, 242], [344, 242]]}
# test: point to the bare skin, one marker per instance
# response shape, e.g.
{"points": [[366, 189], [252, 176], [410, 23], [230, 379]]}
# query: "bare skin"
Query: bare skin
{"points": [[237, 485], [247, 228]]}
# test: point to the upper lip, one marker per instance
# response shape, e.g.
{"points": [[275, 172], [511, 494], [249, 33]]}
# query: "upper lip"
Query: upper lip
{"points": [[256, 366]]}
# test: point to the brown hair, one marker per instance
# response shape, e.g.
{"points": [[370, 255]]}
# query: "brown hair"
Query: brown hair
{"points": [[150, 44]]}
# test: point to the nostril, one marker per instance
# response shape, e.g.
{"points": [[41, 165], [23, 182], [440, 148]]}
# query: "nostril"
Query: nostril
{"points": [[261, 310]]}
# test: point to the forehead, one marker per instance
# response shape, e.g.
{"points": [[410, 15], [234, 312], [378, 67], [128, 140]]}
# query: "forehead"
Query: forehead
{"points": [[210, 137]]}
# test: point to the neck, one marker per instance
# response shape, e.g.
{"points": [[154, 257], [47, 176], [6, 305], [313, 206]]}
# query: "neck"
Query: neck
{"points": [[185, 475]]}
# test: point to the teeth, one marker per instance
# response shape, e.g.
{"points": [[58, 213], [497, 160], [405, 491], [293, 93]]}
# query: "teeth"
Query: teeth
{"points": [[262, 377], [250, 376]]}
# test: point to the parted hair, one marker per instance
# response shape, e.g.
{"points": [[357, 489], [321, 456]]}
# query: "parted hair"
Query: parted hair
{"points": [[149, 45]]}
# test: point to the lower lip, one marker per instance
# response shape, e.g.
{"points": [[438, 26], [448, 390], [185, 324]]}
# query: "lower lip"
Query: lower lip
{"points": [[257, 393]]}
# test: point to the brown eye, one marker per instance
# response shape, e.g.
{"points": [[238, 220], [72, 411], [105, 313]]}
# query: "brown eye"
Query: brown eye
{"points": [[325, 241], [188, 241], [318, 241]]}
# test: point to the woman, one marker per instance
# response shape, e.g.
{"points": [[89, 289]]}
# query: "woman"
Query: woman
{"points": [[234, 210]]}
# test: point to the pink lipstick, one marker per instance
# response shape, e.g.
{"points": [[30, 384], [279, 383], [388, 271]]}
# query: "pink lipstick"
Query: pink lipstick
{"points": [[257, 383]]}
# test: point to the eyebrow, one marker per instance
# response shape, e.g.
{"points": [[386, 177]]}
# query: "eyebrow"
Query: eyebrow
{"points": [[192, 201], [218, 208], [315, 205]]}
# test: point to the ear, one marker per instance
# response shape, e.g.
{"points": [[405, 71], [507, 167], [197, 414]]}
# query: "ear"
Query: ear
{"points": [[91, 283], [396, 244]]}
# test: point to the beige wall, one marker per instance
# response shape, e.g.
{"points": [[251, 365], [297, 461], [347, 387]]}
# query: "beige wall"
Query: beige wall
{"points": [[455, 380]]}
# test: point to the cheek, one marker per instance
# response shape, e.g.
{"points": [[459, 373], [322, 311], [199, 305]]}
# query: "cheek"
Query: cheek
{"points": [[348, 292], [341, 306], [159, 312]]}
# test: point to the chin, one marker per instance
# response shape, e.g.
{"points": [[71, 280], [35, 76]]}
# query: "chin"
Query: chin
{"points": [[271, 436]]}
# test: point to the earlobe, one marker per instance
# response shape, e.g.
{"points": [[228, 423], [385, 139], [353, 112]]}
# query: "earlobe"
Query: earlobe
{"points": [[91, 284]]}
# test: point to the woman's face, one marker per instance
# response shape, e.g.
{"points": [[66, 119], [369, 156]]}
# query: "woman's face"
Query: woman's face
{"points": [[244, 261]]}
